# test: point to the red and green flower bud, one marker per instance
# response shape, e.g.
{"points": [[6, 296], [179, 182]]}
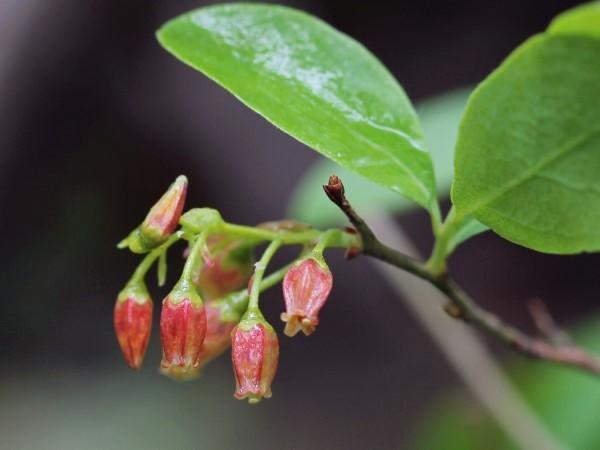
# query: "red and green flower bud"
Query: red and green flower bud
{"points": [[306, 287], [160, 222], [255, 354], [164, 216], [182, 332], [228, 267], [221, 317], [133, 322], [218, 334]]}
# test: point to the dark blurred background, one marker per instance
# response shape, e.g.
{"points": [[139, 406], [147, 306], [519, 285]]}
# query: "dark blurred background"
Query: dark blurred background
{"points": [[96, 120]]}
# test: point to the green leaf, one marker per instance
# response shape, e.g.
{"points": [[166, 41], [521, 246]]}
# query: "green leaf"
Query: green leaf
{"points": [[470, 228], [313, 82], [583, 19], [528, 152], [439, 116]]}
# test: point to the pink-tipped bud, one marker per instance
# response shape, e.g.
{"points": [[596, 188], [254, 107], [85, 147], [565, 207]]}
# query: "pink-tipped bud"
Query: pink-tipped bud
{"points": [[227, 267], [306, 287], [182, 332], [133, 322], [164, 216], [255, 354]]}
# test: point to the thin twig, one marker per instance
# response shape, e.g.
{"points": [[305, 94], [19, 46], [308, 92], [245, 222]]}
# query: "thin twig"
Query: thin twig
{"points": [[370, 244], [545, 323], [461, 306], [462, 348]]}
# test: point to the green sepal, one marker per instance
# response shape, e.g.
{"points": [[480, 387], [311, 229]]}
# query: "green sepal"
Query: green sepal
{"points": [[317, 251], [253, 317], [138, 243], [318, 257], [150, 238], [135, 290], [184, 289]]}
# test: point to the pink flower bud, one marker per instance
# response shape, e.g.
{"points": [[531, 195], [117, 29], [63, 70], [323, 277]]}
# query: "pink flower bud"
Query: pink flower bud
{"points": [[182, 332], [306, 287], [227, 267], [218, 334], [164, 216], [133, 322], [255, 353]]}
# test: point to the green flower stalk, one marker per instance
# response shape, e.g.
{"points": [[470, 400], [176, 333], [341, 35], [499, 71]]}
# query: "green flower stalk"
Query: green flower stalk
{"points": [[255, 347], [183, 322]]}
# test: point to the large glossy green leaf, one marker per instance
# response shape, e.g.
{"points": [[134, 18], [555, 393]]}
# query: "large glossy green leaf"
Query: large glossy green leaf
{"points": [[583, 19], [527, 160], [313, 82], [566, 401], [439, 117]]}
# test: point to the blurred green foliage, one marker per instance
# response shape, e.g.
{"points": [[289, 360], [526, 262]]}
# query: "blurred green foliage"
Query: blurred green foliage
{"points": [[567, 402]]}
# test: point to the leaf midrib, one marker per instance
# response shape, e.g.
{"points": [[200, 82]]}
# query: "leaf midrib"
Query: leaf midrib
{"points": [[574, 145]]}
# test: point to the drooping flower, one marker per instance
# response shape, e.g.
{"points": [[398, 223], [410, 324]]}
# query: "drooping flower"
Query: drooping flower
{"points": [[218, 334], [182, 332], [255, 355], [306, 287], [227, 267], [133, 322]]}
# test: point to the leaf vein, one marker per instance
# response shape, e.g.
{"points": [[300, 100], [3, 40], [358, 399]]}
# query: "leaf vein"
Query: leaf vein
{"points": [[573, 145]]}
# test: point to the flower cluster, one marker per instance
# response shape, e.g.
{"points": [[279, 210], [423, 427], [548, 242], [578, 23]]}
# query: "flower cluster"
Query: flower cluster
{"points": [[215, 302]]}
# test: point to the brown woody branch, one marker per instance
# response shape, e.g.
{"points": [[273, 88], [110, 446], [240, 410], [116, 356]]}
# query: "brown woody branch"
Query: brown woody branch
{"points": [[545, 324], [461, 306]]}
